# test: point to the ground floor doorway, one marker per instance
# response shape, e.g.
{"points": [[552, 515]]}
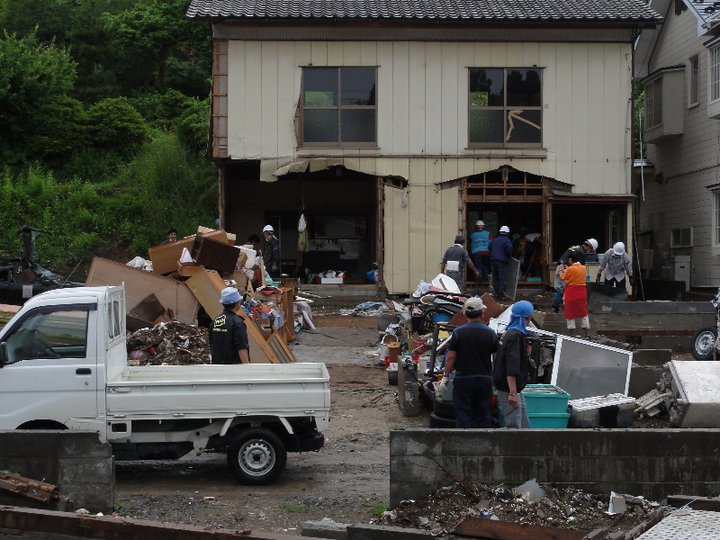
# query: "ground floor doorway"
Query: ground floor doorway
{"points": [[340, 209]]}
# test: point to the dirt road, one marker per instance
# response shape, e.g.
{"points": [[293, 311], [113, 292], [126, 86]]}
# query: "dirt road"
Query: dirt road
{"points": [[346, 481]]}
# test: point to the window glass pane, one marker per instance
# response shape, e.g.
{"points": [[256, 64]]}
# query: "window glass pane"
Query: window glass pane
{"points": [[357, 86], [486, 126], [61, 334], [320, 125], [358, 125], [320, 86], [524, 126], [486, 87], [524, 88]]}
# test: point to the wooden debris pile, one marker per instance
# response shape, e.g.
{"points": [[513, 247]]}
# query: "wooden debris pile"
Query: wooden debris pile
{"points": [[172, 342]]}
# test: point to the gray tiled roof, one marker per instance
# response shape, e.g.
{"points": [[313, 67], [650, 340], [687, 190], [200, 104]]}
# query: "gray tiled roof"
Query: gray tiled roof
{"points": [[523, 11]]}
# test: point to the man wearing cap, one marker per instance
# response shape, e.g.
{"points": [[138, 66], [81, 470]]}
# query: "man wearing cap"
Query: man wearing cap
{"points": [[228, 334], [616, 264], [512, 367], [480, 249], [454, 260], [470, 351], [500, 253], [271, 251]]}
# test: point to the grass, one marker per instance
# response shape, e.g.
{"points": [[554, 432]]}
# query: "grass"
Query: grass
{"points": [[291, 508], [378, 510]]}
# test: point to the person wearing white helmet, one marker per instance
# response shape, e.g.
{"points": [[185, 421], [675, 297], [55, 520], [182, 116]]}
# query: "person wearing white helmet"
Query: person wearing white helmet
{"points": [[617, 265], [271, 251], [228, 333], [500, 253], [480, 249], [470, 351], [588, 251]]}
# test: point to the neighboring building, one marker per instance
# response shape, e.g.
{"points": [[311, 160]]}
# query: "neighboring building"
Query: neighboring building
{"points": [[679, 200], [395, 124]]}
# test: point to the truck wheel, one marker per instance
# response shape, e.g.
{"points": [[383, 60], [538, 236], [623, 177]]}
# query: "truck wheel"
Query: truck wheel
{"points": [[703, 343], [257, 456]]}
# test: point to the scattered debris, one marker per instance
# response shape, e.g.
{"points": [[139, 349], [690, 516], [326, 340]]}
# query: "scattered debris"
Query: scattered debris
{"points": [[28, 488], [567, 508]]}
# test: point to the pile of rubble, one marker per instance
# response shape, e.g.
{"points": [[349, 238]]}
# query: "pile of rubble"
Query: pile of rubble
{"points": [[173, 343], [529, 505]]}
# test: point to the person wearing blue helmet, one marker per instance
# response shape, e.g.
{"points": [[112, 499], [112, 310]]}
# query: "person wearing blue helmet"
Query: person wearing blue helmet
{"points": [[228, 333], [511, 368]]}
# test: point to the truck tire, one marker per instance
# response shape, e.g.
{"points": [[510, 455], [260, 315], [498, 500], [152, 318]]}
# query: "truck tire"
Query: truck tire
{"points": [[703, 343], [256, 456]]}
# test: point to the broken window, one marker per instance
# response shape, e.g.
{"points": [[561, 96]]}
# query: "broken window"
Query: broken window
{"points": [[505, 107], [339, 106]]}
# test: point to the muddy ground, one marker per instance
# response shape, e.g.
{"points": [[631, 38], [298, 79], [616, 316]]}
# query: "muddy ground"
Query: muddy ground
{"points": [[346, 481]]}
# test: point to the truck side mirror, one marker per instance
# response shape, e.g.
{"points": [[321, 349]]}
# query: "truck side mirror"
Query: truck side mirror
{"points": [[3, 353]]}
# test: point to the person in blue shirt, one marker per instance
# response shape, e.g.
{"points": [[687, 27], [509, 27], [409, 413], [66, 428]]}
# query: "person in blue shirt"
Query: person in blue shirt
{"points": [[500, 253], [480, 249]]}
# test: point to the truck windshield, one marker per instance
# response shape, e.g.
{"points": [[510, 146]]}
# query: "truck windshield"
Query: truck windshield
{"points": [[60, 334]]}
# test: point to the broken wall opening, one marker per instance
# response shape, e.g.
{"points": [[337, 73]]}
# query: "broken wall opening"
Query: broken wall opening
{"points": [[340, 207]]}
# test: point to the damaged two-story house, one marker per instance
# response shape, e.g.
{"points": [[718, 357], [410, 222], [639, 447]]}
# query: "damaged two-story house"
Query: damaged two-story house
{"points": [[678, 63], [393, 125]]}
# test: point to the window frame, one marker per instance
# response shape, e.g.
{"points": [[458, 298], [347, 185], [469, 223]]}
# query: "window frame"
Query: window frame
{"points": [[714, 74], [679, 244], [339, 107], [653, 103], [693, 81], [505, 108], [716, 218]]}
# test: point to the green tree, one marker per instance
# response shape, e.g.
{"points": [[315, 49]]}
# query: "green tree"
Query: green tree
{"points": [[156, 33], [35, 80]]}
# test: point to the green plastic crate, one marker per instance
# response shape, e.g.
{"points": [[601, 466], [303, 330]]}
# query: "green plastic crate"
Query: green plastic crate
{"points": [[545, 399], [549, 420]]}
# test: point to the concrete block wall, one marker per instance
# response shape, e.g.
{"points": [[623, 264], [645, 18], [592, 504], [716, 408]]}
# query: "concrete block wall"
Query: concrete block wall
{"points": [[76, 461], [653, 463]]}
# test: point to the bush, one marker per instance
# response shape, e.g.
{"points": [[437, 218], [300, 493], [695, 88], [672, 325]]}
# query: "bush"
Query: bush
{"points": [[114, 123]]}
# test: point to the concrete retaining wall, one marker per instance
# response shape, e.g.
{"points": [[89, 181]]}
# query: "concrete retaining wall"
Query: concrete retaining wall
{"points": [[76, 461], [649, 462]]}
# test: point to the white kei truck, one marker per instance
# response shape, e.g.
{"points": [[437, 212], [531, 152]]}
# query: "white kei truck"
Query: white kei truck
{"points": [[63, 365]]}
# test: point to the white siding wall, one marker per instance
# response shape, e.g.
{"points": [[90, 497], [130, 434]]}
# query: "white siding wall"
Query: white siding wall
{"points": [[422, 102], [688, 162]]}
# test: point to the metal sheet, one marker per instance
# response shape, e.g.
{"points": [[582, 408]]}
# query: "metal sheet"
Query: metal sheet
{"points": [[685, 525], [513, 273], [585, 369], [696, 400]]}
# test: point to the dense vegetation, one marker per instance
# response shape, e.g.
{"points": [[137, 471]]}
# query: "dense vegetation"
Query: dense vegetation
{"points": [[104, 121]]}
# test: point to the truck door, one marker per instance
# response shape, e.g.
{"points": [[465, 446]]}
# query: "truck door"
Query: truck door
{"points": [[50, 376]]}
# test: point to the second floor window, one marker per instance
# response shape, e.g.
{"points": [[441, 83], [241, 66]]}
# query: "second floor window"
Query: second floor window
{"points": [[339, 106], [505, 107]]}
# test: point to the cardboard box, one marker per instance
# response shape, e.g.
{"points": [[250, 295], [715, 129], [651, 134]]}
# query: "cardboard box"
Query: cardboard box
{"points": [[164, 257], [173, 294], [189, 269], [214, 255], [149, 308]]}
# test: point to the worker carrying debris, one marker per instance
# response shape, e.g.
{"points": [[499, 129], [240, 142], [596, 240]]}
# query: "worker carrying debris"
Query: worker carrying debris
{"points": [[228, 334]]}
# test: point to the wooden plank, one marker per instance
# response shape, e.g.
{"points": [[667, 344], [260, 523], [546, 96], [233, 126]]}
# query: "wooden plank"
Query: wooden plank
{"points": [[504, 530], [207, 286], [279, 347], [260, 351], [711, 504], [36, 521]]}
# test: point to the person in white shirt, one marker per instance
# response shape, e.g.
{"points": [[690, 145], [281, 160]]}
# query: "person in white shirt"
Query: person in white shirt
{"points": [[617, 265]]}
